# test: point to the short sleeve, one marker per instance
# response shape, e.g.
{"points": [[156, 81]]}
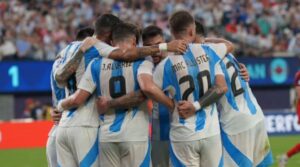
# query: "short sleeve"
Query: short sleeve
{"points": [[220, 49], [87, 82], [158, 74], [146, 67], [104, 49]]}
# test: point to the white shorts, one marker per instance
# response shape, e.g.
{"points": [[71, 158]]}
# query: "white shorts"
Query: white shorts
{"points": [[125, 154], [160, 153], [77, 146], [248, 148], [51, 148], [206, 152]]}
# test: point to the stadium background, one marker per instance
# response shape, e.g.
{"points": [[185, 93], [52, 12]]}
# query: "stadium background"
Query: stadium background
{"points": [[266, 33]]}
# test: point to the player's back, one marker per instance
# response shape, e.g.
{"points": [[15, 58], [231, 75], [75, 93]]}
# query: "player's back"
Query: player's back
{"points": [[188, 77], [115, 79], [85, 115], [238, 106]]}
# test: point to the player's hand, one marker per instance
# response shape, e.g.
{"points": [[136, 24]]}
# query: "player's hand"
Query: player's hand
{"points": [[177, 46], [102, 104], [55, 115], [87, 43], [244, 72], [186, 109]]}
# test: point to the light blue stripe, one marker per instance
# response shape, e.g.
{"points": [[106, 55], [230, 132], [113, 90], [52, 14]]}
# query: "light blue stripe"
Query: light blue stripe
{"points": [[229, 94], [89, 55], [120, 113], [147, 159], [164, 122], [96, 72], [174, 160], [92, 155], [250, 104], [59, 92], [221, 163], [66, 53], [71, 112], [267, 161], [236, 155], [170, 78], [135, 67]]}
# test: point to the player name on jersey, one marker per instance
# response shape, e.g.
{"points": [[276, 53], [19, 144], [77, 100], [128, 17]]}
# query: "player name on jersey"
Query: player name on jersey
{"points": [[181, 65]]}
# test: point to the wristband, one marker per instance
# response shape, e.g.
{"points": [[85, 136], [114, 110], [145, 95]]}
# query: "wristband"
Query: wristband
{"points": [[163, 47], [197, 105]]}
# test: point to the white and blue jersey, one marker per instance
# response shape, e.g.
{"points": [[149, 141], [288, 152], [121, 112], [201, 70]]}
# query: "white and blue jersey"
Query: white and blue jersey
{"points": [[85, 115], [114, 79], [188, 77], [238, 106]]}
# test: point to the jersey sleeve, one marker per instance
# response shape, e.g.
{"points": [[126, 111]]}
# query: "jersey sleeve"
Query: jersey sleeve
{"points": [[220, 49], [146, 67], [104, 49], [87, 81], [297, 79], [158, 75]]}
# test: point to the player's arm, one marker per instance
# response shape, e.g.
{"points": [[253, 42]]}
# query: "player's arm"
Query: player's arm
{"points": [[69, 67], [228, 44], [129, 100], [151, 90], [75, 100], [86, 87], [244, 72], [133, 54]]}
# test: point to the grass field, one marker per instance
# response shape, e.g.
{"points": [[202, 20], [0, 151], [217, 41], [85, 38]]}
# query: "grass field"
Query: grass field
{"points": [[37, 157]]}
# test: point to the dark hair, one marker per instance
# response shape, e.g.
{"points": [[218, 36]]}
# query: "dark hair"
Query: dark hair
{"points": [[200, 30], [84, 32], [125, 30], [180, 20], [151, 31], [105, 23]]}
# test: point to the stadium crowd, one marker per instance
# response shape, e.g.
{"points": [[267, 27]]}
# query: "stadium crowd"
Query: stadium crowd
{"points": [[38, 29]]}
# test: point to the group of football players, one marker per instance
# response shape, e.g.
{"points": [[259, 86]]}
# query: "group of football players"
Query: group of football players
{"points": [[204, 112]]}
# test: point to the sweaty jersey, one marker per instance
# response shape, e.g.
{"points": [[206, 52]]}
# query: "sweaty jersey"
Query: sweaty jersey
{"points": [[114, 79], [239, 110], [188, 77], [85, 115]]}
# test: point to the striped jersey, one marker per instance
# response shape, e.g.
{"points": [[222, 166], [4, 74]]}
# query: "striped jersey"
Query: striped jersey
{"points": [[113, 79], [239, 110], [188, 77], [57, 92], [85, 115]]}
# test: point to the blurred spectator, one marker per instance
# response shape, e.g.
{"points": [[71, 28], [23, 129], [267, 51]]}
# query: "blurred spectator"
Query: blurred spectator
{"points": [[294, 45], [38, 29]]}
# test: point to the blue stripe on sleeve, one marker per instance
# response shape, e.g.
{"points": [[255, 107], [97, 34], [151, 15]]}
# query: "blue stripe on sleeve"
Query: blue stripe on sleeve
{"points": [[89, 55], [59, 92], [135, 67], [120, 113]]}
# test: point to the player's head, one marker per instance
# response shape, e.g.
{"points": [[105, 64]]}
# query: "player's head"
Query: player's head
{"points": [[153, 35], [125, 35], [84, 32], [104, 25], [182, 26], [200, 32]]}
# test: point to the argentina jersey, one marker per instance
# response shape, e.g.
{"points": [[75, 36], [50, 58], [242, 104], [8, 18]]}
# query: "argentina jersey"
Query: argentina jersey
{"points": [[85, 115], [57, 92], [160, 122], [238, 106], [188, 77], [114, 79]]}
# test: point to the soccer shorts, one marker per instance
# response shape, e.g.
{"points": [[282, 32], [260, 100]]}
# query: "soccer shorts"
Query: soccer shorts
{"points": [[51, 148], [160, 153], [77, 146], [248, 148], [125, 154], [205, 152]]}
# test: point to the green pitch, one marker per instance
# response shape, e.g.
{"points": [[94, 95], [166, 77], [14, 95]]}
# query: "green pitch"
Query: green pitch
{"points": [[37, 157]]}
